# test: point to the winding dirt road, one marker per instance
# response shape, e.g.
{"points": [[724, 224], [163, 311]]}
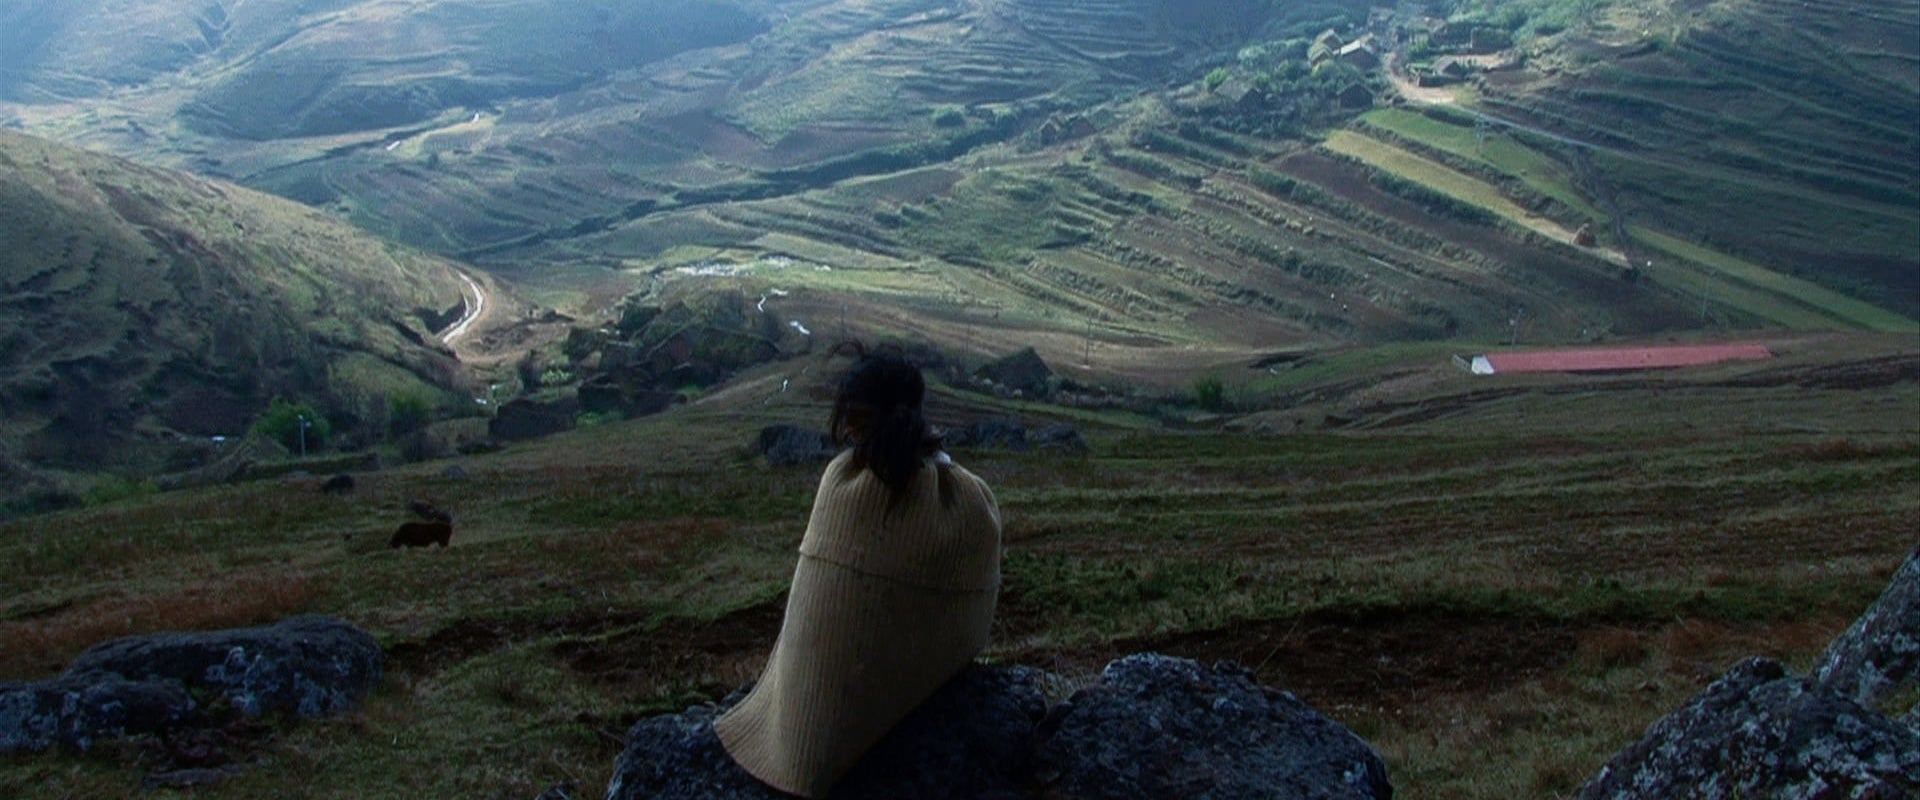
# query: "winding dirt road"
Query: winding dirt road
{"points": [[474, 308]]}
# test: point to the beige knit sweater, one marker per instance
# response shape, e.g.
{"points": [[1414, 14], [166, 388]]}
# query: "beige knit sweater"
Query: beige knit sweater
{"points": [[885, 607]]}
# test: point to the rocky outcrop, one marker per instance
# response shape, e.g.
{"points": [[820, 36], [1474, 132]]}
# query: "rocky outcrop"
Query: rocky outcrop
{"points": [[1005, 434], [1022, 372], [1011, 434], [74, 713], [527, 418], [1153, 727], [792, 445], [1761, 732], [303, 667], [1879, 656], [1161, 727]]}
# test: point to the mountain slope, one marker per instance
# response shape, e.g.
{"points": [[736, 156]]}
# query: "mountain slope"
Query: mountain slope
{"points": [[1774, 130], [1121, 182], [145, 308]]}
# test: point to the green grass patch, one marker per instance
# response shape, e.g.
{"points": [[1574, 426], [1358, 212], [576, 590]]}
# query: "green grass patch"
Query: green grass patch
{"points": [[1437, 177], [1834, 305], [1502, 153]]}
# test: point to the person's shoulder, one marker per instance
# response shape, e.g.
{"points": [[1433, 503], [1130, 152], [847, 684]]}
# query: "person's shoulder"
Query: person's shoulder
{"points": [[966, 476]]}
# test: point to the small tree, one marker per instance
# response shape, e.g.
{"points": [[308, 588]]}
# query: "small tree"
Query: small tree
{"points": [[296, 426], [1218, 76], [1210, 392]]}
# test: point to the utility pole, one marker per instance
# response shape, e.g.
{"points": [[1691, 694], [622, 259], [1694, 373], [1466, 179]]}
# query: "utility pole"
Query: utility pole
{"points": [[1513, 322]]}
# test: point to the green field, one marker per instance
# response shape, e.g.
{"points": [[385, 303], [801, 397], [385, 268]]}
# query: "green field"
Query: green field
{"points": [[1498, 151]]}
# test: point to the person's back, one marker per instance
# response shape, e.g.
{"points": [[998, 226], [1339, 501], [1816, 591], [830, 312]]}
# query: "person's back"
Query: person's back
{"points": [[893, 595]]}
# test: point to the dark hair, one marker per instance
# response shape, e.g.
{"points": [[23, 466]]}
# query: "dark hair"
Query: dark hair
{"points": [[880, 413]]}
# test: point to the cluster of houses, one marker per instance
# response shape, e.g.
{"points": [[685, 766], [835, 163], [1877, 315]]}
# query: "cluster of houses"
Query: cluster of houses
{"points": [[1362, 53], [1464, 49]]}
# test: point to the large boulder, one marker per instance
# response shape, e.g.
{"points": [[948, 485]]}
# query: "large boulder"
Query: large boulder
{"points": [[527, 418], [971, 740], [792, 445], [1155, 727], [1879, 656], [1023, 372], [1759, 732], [75, 713], [1059, 436], [1001, 433], [305, 667], [309, 666], [1158, 727]]}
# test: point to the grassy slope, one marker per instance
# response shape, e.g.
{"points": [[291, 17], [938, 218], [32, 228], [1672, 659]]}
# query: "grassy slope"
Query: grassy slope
{"points": [[1526, 576], [141, 301], [1764, 129]]}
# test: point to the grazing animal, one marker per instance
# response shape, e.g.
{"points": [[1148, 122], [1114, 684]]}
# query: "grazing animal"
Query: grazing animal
{"points": [[338, 485], [429, 511], [422, 534]]}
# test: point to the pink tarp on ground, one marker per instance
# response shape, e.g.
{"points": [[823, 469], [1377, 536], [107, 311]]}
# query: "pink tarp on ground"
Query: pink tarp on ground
{"points": [[1608, 359]]}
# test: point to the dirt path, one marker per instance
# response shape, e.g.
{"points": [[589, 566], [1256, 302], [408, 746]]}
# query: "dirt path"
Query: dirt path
{"points": [[1413, 92], [474, 308]]}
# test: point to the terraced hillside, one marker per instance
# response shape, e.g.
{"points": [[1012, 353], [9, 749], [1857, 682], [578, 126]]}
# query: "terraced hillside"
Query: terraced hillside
{"points": [[146, 311], [1124, 180], [1778, 132]]}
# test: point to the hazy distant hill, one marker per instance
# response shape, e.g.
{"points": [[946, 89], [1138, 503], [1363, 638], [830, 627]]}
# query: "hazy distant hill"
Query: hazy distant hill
{"points": [[141, 309]]}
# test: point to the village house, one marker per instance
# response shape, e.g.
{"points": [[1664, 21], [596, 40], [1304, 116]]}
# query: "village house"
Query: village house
{"points": [[1325, 47], [1241, 95], [1360, 53], [1445, 71]]}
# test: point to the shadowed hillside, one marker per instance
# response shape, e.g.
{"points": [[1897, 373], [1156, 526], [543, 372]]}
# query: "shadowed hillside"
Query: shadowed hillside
{"points": [[146, 311]]}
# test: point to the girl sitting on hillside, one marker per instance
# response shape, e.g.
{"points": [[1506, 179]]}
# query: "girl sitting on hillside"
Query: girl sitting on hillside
{"points": [[894, 593]]}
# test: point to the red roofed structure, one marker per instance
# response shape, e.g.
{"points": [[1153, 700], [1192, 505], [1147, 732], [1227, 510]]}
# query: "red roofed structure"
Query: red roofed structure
{"points": [[1614, 359]]}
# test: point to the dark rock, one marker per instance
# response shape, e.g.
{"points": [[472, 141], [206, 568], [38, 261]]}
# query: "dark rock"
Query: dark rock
{"points": [[1155, 727], [526, 418], [478, 448], [641, 404], [1024, 372], [1160, 727], [607, 395], [1879, 656], [1007, 434], [602, 395], [341, 484], [792, 445], [1759, 732], [310, 666], [454, 473], [1060, 436], [75, 712], [970, 741]]}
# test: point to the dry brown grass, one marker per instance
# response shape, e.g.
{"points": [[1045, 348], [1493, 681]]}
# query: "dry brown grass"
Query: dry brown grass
{"points": [[38, 646], [1608, 648]]}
